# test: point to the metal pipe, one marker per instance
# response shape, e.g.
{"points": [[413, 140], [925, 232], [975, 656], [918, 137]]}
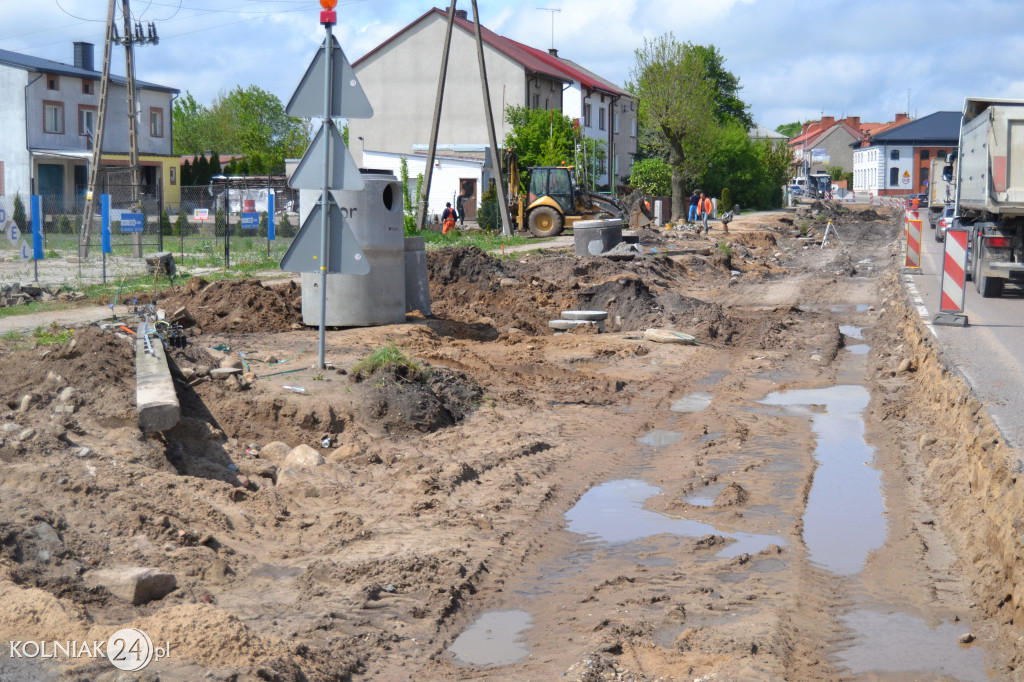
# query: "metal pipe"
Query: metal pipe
{"points": [[325, 197]]}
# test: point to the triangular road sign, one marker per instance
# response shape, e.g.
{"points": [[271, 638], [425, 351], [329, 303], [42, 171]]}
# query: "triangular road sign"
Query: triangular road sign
{"points": [[347, 97], [310, 172], [344, 257]]}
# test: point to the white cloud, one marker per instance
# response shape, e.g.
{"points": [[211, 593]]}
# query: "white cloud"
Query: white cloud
{"points": [[794, 59]]}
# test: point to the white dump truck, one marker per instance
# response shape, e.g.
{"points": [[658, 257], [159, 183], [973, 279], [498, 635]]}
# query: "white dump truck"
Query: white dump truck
{"points": [[941, 188], [989, 173]]}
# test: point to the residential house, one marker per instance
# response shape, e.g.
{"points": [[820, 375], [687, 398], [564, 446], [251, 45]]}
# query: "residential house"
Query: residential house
{"points": [[400, 79], [897, 161], [825, 143], [48, 114], [759, 132]]}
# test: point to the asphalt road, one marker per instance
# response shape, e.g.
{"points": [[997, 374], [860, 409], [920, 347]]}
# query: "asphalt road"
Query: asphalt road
{"points": [[989, 352]]}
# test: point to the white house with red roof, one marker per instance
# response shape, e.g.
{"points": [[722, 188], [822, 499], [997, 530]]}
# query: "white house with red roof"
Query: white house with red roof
{"points": [[400, 78]]}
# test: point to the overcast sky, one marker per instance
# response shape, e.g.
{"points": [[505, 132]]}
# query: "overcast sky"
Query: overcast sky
{"points": [[795, 60]]}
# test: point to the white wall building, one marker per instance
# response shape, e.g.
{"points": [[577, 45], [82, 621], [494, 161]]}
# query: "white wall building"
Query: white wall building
{"points": [[48, 115]]}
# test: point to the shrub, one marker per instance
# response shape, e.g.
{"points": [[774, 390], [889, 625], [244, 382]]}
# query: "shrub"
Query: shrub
{"points": [[388, 356], [19, 217], [64, 225], [181, 224], [652, 176], [489, 217], [166, 227], [283, 228], [264, 224], [726, 201]]}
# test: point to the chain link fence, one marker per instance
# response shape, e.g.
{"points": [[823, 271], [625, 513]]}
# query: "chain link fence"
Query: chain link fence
{"points": [[203, 231]]}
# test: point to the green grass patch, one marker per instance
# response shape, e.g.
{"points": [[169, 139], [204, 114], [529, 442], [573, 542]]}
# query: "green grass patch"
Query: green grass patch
{"points": [[723, 247], [54, 335], [485, 240], [388, 356], [33, 307]]}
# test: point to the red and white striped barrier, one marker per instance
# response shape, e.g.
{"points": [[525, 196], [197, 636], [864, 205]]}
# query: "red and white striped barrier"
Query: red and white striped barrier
{"points": [[954, 276], [913, 258]]}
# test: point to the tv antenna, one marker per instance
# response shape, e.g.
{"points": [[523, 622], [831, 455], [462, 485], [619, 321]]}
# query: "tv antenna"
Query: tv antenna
{"points": [[552, 10]]}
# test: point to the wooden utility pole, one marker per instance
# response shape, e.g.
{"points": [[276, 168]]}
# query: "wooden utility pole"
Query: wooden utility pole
{"points": [[506, 224], [97, 139], [499, 183], [421, 216], [133, 127]]}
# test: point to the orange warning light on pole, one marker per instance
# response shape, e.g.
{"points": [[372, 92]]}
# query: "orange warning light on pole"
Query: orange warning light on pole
{"points": [[328, 16]]}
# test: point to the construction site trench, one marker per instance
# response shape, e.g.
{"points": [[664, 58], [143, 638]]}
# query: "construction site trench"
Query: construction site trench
{"points": [[808, 492]]}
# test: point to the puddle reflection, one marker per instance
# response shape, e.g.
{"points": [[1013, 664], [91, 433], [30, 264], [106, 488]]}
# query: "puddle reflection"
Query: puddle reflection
{"points": [[900, 643], [494, 639], [844, 518], [613, 512]]}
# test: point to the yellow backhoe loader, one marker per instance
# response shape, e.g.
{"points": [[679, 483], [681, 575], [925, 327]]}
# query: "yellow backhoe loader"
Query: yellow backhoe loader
{"points": [[552, 200]]}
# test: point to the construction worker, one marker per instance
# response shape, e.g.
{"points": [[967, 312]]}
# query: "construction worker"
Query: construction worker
{"points": [[705, 208]]}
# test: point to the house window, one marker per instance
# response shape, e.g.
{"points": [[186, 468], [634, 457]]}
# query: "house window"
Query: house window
{"points": [[156, 122], [86, 119], [600, 118], [924, 154], [174, 176], [615, 123], [547, 103], [52, 82], [632, 127], [587, 116], [53, 117], [894, 155], [894, 177], [536, 101], [87, 87], [923, 172]]}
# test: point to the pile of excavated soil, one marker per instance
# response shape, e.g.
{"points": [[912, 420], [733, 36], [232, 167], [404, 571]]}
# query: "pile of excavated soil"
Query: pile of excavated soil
{"points": [[242, 306], [469, 286]]}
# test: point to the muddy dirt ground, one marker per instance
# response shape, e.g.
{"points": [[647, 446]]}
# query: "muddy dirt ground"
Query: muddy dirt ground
{"points": [[518, 504]]}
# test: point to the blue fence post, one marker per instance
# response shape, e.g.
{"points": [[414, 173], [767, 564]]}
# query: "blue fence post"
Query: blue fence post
{"points": [[105, 230], [37, 232], [270, 220]]}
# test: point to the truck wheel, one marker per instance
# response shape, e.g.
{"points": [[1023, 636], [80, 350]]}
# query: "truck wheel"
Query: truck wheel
{"points": [[990, 287], [546, 222]]}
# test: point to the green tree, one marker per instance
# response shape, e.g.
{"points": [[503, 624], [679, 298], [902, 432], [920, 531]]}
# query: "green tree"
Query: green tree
{"points": [[215, 167], [541, 137], [790, 130], [728, 105], [652, 176], [190, 125], [166, 227], [241, 121], [201, 171], [676, 99], [186, 174]]}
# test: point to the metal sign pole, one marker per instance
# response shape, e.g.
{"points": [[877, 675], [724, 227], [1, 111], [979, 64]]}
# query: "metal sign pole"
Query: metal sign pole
{"points": [[325, 201]]}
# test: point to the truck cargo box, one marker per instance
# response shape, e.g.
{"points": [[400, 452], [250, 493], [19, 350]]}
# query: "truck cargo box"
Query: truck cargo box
{"points": [[992, 157]]}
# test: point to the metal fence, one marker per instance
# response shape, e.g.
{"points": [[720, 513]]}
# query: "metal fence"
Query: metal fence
{"points": [[203, 232]]}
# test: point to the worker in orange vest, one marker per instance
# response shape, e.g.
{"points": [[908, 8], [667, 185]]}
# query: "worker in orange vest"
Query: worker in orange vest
{"points": [[705, 209]]}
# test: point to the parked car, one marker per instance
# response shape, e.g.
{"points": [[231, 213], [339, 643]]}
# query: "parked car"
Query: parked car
{"points": [[922, 200], [945, 222]]}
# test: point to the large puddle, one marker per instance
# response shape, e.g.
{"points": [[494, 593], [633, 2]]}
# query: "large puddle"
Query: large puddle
{"points": [[659, 438], [694, 402], [899, 643], [494, 639], [844, 519], [614, 512]]}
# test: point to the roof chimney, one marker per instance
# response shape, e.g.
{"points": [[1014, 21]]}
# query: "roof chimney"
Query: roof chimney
{"points": [[83, 56], [854, 121], [553, 52], [461, 14], [827, 122], [901, 117]]}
